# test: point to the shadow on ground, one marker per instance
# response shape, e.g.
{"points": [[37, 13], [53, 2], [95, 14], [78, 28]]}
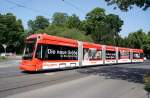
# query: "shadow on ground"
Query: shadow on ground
{"points": [[48, 71], [129, 74]]}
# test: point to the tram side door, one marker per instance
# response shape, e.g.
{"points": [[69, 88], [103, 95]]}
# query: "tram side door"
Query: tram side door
{"points": [[80, 53]]}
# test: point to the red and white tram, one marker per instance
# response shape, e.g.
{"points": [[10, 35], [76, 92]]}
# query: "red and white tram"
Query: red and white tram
{"points": [[43, 52], [124, 55]]}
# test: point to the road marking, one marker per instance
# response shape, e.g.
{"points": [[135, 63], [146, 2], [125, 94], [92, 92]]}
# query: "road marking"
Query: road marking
{"points": [[6, 66], [49, 74], [10, 63]]}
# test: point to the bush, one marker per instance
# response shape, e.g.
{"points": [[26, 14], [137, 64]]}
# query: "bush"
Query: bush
{"points": [[147, 82], [66, 32], [2, 58]]}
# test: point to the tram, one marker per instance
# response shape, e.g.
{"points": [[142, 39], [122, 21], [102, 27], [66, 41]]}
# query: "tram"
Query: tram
{"points": [[44, 52]]}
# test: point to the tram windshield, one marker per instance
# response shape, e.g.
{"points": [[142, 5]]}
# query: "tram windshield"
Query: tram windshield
{"points": [[29, 49]]}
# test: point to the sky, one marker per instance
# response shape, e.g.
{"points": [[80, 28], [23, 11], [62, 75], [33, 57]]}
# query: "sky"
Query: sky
{"points": [[26, 10]]}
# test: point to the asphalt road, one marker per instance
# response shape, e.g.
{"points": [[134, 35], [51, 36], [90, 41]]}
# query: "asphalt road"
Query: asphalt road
{"points": [[113, 81]]}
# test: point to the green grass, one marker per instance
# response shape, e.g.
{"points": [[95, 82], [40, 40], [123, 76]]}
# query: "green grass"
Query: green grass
{"points": [[3, 58], [147, 82]]}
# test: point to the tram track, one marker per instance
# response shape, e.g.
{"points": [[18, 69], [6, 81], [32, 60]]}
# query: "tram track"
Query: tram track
{"points": [[34, 81], [14, 73], [14, 81], [18, 73]]}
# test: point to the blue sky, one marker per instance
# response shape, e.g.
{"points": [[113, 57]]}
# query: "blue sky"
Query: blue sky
{"points": [[134, 19]]}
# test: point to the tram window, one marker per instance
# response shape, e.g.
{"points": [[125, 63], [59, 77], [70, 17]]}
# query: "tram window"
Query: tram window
{"points": [[29, 49], [92, 54], [110, 55], [137, 55], [56, 52], [39, 52], [124, 54]]}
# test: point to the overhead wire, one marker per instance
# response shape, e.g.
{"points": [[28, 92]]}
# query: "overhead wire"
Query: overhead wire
{"points": [[25, 2], [74, 6], [25, 7], [38, 11]]}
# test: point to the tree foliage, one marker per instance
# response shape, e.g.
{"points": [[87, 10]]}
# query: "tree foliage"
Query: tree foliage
{"points": [[139, 39], [136, 39], [125, 5], [39, 23], [59, 19], [97, 27], [66, 32], [94, 19], [73, 21], [114, 23], [11, 32], [103, 27], [146, 46]]}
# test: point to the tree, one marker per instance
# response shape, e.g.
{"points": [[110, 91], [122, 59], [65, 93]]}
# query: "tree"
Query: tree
{"points": [[39, 23], [139, 39], [94, 24], [10, 31], [73, 21], [102, 27], [125, 5], [66, 32], [149, 33], [114, 24], [136, 39], [93, 18], [124, 42], [59, 19], [146, 46]]}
